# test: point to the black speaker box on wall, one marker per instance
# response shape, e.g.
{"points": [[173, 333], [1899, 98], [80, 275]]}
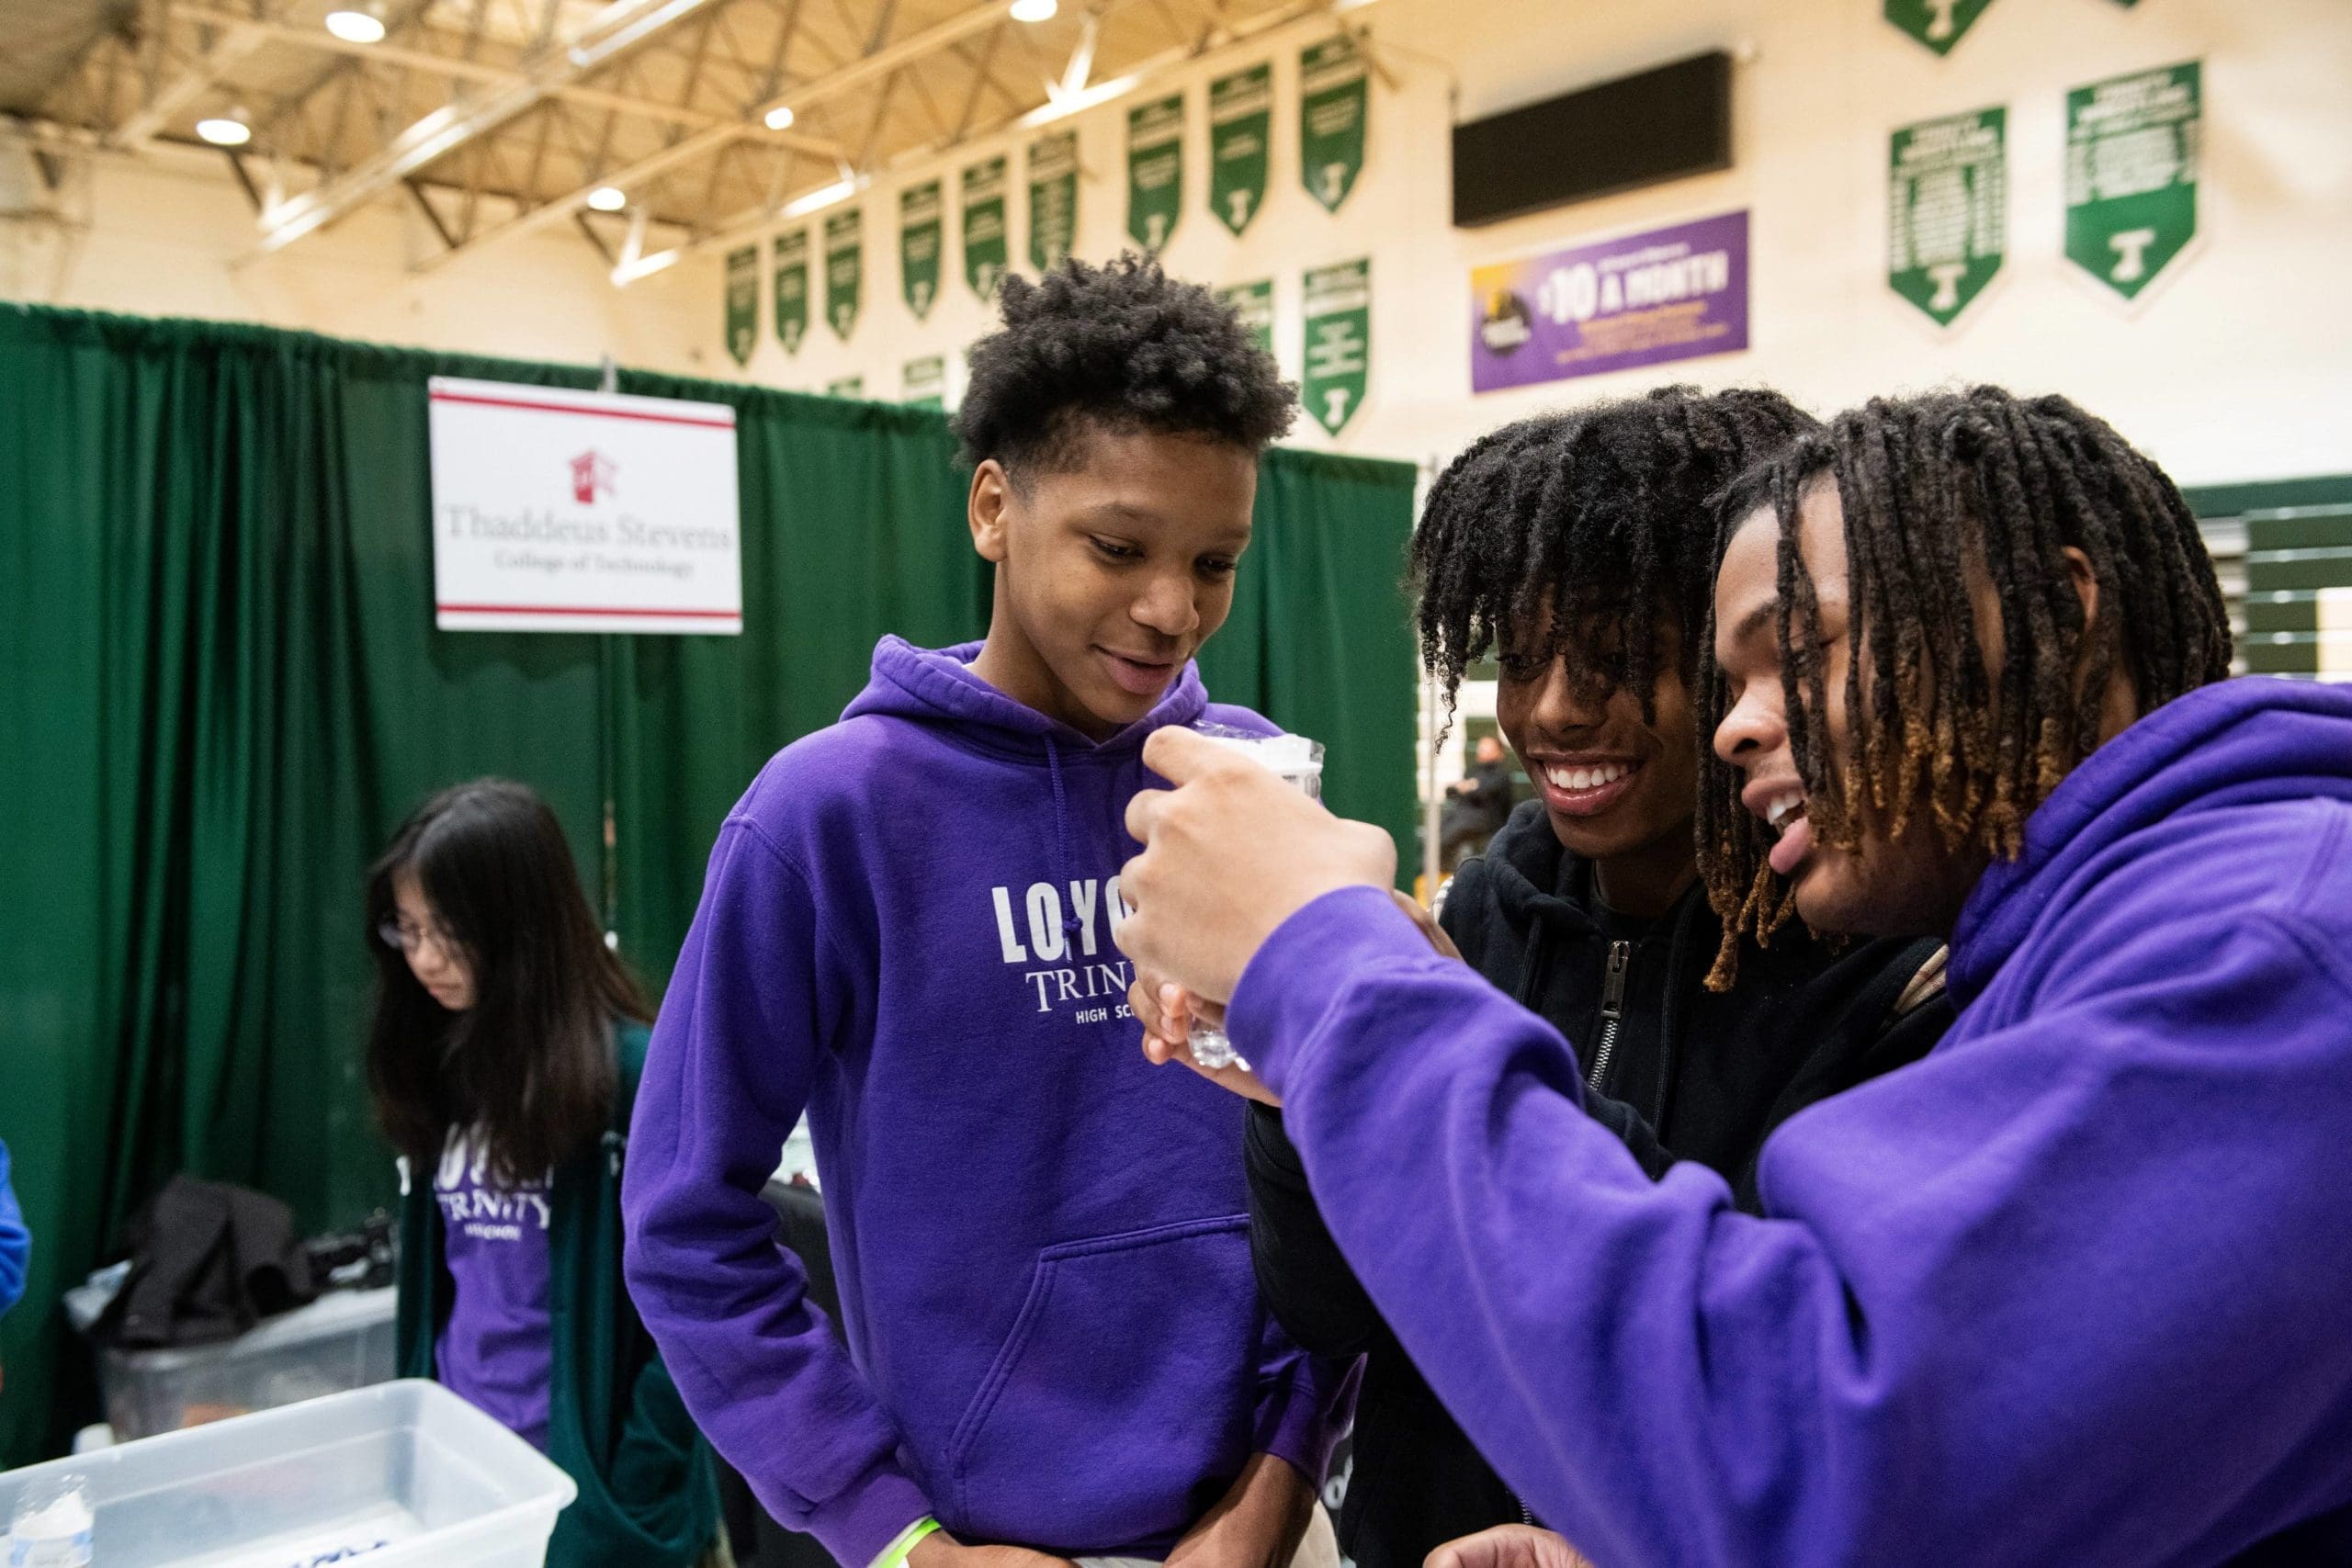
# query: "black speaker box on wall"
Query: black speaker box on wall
{"points": [[1638, 130]]}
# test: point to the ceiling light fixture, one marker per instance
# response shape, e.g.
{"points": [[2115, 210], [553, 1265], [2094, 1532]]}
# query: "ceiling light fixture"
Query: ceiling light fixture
{"points": [[609, 198], [781, 117], [1085, 99], [225, 129], [355, 25], [820, 198], [1035, 11]]}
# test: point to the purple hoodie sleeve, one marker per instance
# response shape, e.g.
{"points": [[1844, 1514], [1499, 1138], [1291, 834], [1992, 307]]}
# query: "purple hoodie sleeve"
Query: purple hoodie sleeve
{"points": [[2069, 1290], [756, 994], [1304, 1403], [16, 1245]]}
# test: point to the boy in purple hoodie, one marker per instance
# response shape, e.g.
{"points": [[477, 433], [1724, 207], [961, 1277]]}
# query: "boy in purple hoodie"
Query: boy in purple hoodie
{"points": [[2072, 1289], [1055, 1343]]}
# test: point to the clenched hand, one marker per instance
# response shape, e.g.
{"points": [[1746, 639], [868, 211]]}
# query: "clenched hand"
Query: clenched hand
{"points": [[1230, 854]]}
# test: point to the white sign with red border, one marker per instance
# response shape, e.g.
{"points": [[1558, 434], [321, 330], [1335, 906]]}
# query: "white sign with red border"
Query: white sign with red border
{"points": [[557, 511]]}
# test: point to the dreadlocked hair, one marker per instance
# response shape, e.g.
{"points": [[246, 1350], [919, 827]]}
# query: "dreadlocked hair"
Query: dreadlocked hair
{"points": [[1941, 492], [1603, 513]]}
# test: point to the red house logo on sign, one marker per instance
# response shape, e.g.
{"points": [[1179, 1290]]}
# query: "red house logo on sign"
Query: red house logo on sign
{"points": [[592, 473]]}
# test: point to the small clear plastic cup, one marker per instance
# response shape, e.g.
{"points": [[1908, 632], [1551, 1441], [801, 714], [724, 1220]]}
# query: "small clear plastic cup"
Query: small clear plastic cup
{"points": [[51, 1526], [1297, 761]]}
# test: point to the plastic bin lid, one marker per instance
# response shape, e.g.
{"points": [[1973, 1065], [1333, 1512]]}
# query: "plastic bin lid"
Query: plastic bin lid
{"points": [[510, 1492], [337, 1315]]}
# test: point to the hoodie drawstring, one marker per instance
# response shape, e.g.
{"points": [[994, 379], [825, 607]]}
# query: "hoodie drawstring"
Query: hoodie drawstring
{"points": [[1061, 834], [1533, 972]]}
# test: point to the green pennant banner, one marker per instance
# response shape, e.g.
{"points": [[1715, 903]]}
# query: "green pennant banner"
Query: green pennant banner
{"points": [[844, 272], [923, 383], [1053, 198], [1333, 95], [986, 254], [1254, 303], [846, 387], [743, 303], [1338, 359], [1946, 209], [2131, 154], [1241, 124], [792, 289], [921, 211], [1938, 24], [1154, 171]]}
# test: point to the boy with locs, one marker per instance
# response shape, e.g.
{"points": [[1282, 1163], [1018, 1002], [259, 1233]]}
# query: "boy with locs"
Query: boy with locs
{"points": [[2069, 1290], [1054, 1344]]}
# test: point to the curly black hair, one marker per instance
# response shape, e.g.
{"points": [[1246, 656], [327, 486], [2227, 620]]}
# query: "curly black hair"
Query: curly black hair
{"points": [[1124, 347], [1940, 491], [1606, 512]]}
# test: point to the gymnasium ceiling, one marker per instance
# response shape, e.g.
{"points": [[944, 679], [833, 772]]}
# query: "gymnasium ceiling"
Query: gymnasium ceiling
{"points": [[498, 117]]}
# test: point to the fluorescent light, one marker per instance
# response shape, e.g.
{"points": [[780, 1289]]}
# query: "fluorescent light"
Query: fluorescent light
{"points": [[629, 272], [586, 56], [225, 130], [609, 198], [1035, 11], [356, 27], [781, 117], [822, 197], [1079, 102]]}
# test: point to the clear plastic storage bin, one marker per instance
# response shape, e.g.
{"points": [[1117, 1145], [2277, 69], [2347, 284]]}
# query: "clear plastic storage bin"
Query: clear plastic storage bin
{"points": [[343, 1340], [394, 1476]]}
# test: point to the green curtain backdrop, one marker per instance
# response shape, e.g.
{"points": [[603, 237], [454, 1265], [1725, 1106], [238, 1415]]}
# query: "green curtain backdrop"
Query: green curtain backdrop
{"points": [[221, 687], [1320, 638]]}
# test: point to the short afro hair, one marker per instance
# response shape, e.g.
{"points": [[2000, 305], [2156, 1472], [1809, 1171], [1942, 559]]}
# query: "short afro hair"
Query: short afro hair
{"points": [[1121, 347]]}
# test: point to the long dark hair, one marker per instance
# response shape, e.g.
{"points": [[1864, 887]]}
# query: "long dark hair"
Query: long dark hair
{"points": [[530, 1065], [1936, 489]]}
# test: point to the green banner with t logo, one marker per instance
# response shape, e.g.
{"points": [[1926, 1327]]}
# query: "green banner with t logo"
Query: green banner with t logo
{"points": [[2131, 154], [1053, 198], [1338, 343], [742, 302], [985, 244], [1241, 124], [844, 272], [920, 209], [1154, 171], [792, 289], [1333, 95]]}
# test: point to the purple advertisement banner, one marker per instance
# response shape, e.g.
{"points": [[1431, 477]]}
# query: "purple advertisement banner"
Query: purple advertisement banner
{"points": [[1645, 299]]}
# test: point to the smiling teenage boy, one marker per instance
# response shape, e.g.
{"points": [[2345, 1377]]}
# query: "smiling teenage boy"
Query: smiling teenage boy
{"points": [[1580, 545], [2072, 1288], [1055, 1344]]}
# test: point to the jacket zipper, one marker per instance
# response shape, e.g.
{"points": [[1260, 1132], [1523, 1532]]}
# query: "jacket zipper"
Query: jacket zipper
{"points": [[1612, 1011]]}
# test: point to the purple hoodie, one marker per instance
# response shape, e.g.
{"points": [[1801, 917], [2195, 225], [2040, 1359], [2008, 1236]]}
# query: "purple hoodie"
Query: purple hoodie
{"points": [[1055, 1337], [2076, 1288]]}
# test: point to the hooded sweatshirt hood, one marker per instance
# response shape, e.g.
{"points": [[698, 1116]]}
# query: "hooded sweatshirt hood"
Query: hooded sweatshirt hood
{"points": [[1054, 1340], [939, 687], [2219, 749], [940, 691]]}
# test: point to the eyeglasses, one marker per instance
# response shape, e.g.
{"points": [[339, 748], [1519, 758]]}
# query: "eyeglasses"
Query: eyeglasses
{"points": [[408, 939]]}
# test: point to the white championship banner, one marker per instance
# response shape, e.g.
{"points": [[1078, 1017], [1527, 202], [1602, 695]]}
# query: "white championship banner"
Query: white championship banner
{"points": [[556, 511]]}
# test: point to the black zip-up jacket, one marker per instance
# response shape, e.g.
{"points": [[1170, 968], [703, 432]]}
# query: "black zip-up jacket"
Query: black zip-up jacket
{"points": [[1676, 1071]]}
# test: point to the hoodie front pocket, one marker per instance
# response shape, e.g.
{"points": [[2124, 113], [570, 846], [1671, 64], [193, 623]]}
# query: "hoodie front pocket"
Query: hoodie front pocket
{"points": [[1123, 1400]]}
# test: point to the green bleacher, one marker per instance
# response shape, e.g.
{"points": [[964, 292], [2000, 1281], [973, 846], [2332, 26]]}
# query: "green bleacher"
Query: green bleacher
{"points": [[2299, 592]]}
